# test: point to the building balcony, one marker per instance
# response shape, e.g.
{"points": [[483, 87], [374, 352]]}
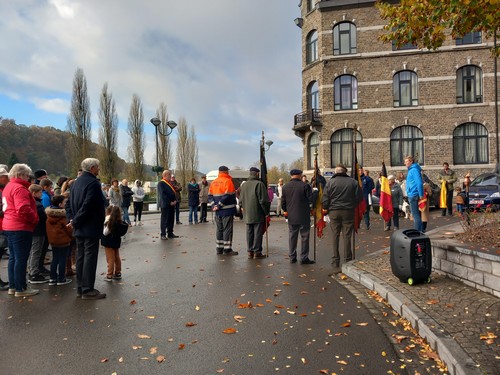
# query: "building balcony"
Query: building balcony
{"points": [[304, 120]]}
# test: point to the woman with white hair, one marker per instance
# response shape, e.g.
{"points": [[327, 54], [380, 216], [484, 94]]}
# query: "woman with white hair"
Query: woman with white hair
{"points": [[20, 219]]}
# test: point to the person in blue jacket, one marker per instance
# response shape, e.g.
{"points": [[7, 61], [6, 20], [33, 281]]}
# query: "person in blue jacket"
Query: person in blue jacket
{"points": [[414, 190]]}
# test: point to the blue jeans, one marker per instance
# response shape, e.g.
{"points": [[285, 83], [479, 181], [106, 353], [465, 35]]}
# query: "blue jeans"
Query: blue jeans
{"points": [[58, 265], [417, 217], [126, 218], [19, 247], [193, 212]]}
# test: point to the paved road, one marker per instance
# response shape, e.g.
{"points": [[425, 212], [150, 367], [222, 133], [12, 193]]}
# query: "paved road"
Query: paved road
{"points": [[176, 299]]}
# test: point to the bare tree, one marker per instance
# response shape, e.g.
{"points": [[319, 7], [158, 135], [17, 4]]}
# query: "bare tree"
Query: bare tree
{"points": [[107, 135], [79, 119], [192, 151], [164, 152], [137, 138], [182, 157]]}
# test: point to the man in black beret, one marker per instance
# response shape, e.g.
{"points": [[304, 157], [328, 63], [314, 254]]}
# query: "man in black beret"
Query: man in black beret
{"points": [[254, 202], [40, 174], [297, 203]]}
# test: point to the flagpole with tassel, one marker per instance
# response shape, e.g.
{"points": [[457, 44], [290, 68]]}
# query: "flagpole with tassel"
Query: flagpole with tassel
{"points": [[314, 202], [263, 178]]}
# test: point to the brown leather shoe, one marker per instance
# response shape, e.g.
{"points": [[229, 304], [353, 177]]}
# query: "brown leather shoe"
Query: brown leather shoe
{"points": [[250, 255], [260, 256]]}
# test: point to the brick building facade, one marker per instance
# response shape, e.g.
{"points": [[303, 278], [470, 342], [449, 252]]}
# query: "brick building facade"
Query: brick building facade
{"points": [[435, 105]]}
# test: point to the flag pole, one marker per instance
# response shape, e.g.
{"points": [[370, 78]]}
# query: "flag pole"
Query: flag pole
{"points": [[262, 153], [354, 173], [314, 203]]}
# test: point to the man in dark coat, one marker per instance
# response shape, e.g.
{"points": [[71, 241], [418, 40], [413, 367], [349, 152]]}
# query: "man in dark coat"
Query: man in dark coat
{"points": [[340, 198], [296, 203], [87, 218], [254, 202], [368, 186], [167, 200]]}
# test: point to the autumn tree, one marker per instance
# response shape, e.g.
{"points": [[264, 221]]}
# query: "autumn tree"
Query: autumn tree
{"points": [[426, 23], [79, 124], [137, 138], [165, 151], [107, 135]]}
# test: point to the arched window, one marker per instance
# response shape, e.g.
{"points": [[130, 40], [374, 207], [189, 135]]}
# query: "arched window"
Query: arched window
{"points": [[312, 147], [344, 38], [469, 84], [341, 145], [470, 144], [346, 92], [405, 89], [312, 47], [406, 140], [313, 96]]}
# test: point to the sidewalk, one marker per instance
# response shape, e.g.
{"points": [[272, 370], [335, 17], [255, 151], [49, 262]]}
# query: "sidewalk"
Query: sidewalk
{"points": [[449, 314]]}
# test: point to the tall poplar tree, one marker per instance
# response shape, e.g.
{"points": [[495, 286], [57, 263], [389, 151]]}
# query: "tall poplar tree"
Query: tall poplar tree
{"points": [[137, 138], [107, 135]]}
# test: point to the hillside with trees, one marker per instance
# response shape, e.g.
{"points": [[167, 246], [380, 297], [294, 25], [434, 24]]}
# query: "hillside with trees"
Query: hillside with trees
{"points": [[42, 147]]}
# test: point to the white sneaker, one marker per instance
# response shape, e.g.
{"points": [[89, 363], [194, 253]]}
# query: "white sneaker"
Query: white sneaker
{"points": [[66, 281], [27, 292]]}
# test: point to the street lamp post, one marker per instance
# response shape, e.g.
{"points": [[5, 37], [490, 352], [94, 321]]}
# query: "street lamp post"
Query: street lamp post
{"points": [[157, 168]]}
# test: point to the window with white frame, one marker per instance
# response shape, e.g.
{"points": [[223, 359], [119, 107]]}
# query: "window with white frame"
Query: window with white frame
{"points": [[470, 144], [312, 147], [345, 92], [406, 140], [405, 89], [313, 96], [474, 37]]}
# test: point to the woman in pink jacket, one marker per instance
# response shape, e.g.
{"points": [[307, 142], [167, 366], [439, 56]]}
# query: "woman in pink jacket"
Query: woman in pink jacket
{"points": [[19, 221]]}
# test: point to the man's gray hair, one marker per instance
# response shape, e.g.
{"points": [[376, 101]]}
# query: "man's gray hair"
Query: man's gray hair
{"points": [[19, 170], [88, 163], [340, 168], [253, 174]]}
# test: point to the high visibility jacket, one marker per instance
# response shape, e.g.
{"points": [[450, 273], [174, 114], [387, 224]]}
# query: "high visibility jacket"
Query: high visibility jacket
{"points": [[223, 195]]}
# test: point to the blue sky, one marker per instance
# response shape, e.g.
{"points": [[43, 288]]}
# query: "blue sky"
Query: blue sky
{"points": [[231, 68]]}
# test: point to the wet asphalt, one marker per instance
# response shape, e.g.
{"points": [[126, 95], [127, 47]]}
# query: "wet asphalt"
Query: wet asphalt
{"points": [[182, 309]]}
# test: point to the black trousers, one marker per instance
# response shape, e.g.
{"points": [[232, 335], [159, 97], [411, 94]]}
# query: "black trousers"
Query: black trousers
{"points": [[167, 220], [86, 263], [449, 203], [203, 209]]}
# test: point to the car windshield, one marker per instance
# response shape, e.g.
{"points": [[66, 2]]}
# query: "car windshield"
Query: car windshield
{"points": [[486, 180]]}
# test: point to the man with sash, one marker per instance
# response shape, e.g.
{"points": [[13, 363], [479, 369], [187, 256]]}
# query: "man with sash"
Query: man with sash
{"points": [[167, 200]]}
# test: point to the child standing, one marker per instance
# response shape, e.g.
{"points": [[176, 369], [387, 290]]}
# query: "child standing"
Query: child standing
{"points": [[460, 201], [59, 235], [114, 229], [37, 243]]}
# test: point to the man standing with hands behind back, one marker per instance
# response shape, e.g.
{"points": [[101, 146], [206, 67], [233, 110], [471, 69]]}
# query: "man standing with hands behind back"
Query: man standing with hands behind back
{"points": [[87, 218], [296, 203]]}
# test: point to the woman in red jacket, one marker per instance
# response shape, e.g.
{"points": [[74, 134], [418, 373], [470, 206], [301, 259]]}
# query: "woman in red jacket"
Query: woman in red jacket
{"points": [[19, 221]]}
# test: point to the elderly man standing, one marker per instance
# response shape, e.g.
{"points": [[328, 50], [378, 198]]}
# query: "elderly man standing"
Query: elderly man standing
{"points": [[168, 200], [297, 202], [340, 198], [87, 218], [254, 201], [223, 195]]}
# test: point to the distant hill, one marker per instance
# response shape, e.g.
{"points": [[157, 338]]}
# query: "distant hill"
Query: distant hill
{"points": [[41, 147]]}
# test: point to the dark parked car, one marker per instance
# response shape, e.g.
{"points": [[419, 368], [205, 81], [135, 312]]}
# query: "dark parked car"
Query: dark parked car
{"points": [[434, 198], [484, 191]]}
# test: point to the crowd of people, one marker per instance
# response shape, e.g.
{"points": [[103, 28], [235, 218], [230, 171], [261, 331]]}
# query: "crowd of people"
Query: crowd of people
{"points": [[75, 216]]}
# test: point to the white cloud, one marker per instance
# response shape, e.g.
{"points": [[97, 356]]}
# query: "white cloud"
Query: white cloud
{"points": [[231, 68]]}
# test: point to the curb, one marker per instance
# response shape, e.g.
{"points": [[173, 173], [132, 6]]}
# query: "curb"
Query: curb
{"points": [[450, 352]]}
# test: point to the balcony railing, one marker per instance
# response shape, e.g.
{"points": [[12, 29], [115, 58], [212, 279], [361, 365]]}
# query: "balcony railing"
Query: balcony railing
{"points": [[307, 117]]}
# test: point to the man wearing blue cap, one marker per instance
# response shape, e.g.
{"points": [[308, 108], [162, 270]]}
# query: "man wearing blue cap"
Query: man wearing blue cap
{"points": [[254, 202], [297, 203]]}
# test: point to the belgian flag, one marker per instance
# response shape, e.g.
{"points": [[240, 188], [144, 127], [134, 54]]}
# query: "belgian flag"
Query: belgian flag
{"points": [[386, 210]]}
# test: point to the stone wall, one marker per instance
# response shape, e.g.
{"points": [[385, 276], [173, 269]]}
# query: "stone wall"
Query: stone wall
{"points": [[476, 269]]}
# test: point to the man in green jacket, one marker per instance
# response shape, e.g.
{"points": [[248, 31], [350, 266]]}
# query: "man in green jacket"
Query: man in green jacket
{"points": [[254, 202]]}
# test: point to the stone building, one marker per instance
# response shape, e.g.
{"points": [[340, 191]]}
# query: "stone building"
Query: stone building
{"points": [[435, 105]]}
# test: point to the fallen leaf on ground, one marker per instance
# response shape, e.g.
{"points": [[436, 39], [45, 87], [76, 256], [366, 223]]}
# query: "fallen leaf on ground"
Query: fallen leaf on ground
{"points": [[182, 346], [104, 360], [160, 358], [141, 336], [239, 318], [190, 324], [230, 330], [133, 302], [432, 301]]}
